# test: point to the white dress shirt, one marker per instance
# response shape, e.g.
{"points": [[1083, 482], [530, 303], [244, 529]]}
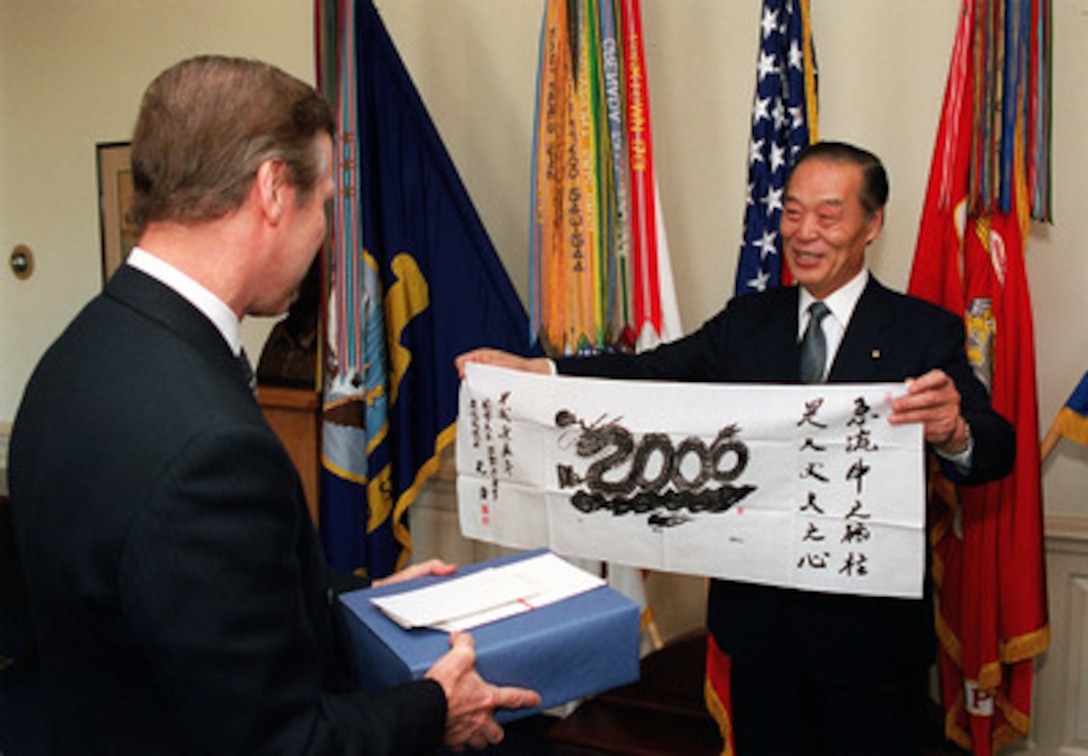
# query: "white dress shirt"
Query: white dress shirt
{"points": [[214, 309]]}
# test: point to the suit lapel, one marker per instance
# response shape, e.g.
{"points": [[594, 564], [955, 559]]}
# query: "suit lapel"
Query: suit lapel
{"points": [[862, 353], [777, 338], [158, 302]]}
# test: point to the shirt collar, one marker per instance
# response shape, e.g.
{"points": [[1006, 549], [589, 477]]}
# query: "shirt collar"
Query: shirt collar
{"points": [[841, 302], [214, 309]]}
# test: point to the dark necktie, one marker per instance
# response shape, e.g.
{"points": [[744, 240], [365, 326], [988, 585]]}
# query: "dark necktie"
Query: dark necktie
{"points": [[813, 346], [247, 370]]}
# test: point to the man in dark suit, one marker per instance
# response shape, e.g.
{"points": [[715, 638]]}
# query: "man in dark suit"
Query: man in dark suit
{"points": [[179, 593], [815, 673]]}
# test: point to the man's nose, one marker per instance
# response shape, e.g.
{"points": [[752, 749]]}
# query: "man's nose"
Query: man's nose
{"points": [[807, 226]]}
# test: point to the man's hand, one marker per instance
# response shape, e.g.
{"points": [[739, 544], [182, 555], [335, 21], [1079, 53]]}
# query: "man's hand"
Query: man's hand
{"points": [[430, 567], [470, 701], [503, 359], [934, 401]]}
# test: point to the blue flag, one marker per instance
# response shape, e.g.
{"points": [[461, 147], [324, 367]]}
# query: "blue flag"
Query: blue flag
{"points": [[784, 115], [420, 284], [1071, 421]]}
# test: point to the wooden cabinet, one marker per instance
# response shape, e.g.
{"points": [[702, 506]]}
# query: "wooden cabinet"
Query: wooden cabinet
{"points": [[295, 415]]}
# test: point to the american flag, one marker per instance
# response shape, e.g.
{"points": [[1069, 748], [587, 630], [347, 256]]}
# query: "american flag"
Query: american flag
{"points": [[784, 117], [783, 123]]}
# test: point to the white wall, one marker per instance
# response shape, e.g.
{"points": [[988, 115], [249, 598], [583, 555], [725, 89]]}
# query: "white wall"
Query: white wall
{"points": [[71, 75], [71, 72]]}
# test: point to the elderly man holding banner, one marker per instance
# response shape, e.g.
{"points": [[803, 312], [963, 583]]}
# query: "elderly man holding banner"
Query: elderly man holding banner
{"points": [[814, 672]]}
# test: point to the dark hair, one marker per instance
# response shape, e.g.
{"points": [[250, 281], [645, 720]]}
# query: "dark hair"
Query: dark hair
{"points": [[207, 123], [874, 183]]}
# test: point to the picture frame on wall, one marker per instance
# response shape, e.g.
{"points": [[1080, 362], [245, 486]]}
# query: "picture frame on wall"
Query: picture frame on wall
{"points": [[115, 193]]}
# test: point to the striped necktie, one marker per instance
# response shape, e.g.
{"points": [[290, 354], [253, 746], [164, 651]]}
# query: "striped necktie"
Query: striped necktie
{"points": [[813, 345], [247, 370]]}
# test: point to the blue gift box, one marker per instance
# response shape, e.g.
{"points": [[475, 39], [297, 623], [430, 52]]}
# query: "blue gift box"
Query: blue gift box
{"points": [[573, 648]]}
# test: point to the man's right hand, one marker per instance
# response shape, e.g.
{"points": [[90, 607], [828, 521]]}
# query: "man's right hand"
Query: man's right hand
{"points": [[470, 700], [499, 358]]}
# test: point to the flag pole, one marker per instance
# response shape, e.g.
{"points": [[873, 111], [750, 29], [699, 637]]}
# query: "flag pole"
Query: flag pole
{"points": [[1053, 436]]}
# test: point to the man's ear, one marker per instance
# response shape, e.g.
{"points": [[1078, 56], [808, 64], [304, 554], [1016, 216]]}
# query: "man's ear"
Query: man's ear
{"points": [[269, 186], [876, 225]]}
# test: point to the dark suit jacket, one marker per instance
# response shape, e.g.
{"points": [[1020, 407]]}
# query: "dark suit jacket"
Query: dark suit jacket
{"points": [[180, 596], [890, 337]]}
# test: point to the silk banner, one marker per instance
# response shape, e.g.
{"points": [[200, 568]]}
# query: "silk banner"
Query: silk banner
{"points": [[806, 487]]}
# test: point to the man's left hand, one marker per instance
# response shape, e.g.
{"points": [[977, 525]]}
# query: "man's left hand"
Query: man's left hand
{"points": [[430, 567], [934, 401]]}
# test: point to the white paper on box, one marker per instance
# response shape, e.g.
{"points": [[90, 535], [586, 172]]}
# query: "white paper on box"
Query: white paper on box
{"points": [[488, 595]]}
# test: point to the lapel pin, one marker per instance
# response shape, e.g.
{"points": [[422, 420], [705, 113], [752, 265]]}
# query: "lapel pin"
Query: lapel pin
{"points": [[875, 354]]}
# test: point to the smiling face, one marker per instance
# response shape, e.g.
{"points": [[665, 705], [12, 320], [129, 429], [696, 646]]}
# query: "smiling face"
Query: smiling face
{"points": [[825, 228]]}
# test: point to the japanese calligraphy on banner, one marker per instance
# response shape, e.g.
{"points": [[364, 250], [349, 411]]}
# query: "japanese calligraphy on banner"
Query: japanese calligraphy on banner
{"points": [[806, 487]]}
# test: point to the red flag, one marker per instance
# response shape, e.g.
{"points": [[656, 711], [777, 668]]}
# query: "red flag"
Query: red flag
{"points": [[717, 693], [988, 540]]}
